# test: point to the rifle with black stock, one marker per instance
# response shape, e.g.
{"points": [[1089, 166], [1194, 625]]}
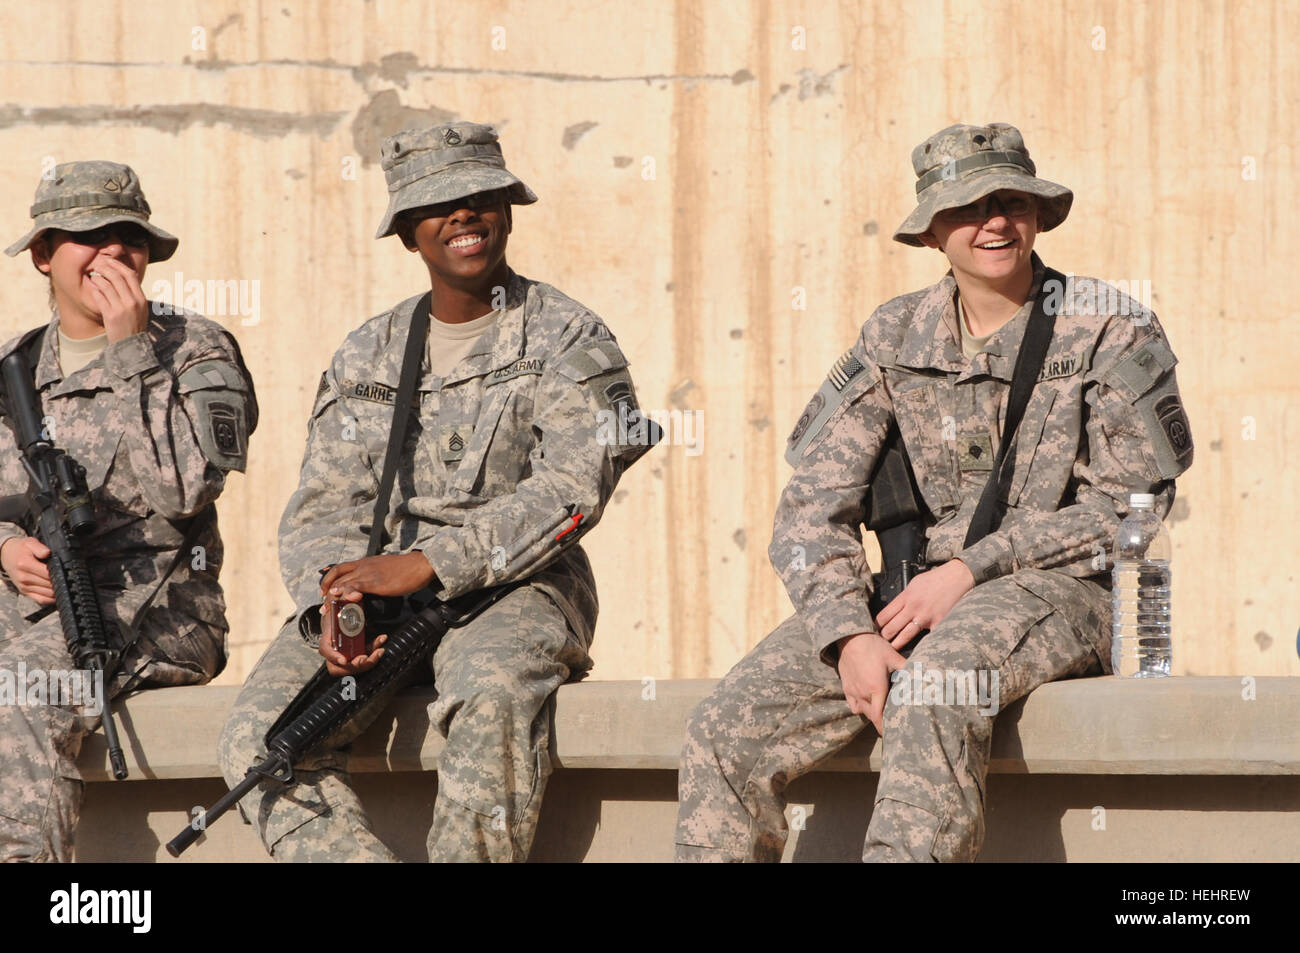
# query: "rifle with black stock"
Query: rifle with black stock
{"points": [[59, 510], [896, 514]]}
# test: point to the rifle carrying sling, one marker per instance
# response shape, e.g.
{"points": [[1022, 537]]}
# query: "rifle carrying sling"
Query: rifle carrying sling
{"points": [[1029, 362], [895, 511], [412, 358]]}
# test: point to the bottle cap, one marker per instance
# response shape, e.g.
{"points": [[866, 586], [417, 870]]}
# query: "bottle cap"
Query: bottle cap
{"points": [[1146, 501]]}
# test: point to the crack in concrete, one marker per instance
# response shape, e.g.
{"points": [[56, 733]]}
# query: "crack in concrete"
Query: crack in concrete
{"points": [[397, 66], [174, 117]]}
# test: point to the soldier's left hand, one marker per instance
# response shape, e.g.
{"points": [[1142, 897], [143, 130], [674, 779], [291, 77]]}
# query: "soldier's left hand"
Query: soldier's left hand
{"points": [[122, 302], [385, 575], [924, 603]]}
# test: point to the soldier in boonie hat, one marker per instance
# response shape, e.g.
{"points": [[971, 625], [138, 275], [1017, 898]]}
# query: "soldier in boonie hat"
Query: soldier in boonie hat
{"points": [[527, 419], [1028, 405], [962, 164], [115, 379], [436, 165], [84, 196]]}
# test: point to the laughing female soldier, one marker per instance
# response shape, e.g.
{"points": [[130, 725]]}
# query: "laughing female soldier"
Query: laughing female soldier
{"points": [[158, 408], [1015, 594]]}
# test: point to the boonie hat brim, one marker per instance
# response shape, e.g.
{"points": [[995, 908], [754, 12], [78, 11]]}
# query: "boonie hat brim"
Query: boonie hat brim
{"points": [[1054, 205], [162, 244], [469, 178]]}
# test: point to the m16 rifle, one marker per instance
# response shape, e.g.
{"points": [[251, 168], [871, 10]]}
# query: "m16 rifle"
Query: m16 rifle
{"points": [[59, 510], [328, 706]]}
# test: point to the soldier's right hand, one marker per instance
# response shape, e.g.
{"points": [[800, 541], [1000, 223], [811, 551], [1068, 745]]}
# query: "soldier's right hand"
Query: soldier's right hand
{"points": [[23, 559], [866, 661], [338, 665]]}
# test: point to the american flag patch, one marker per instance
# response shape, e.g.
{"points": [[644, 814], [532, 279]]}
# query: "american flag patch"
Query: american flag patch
{"points": [[845, 369]]}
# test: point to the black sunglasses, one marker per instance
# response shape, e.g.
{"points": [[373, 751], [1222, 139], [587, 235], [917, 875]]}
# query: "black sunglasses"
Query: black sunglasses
{"points": [[128, 234], [477, 201]]}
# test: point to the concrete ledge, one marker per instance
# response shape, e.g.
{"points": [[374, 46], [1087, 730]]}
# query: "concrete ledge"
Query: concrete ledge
{"points": [[1231, 791], [1084, 726]]}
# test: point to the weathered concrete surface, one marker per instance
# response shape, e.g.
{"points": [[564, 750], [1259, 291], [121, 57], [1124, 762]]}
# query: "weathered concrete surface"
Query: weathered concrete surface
{"points": [[1095, 769], [721, 186]]}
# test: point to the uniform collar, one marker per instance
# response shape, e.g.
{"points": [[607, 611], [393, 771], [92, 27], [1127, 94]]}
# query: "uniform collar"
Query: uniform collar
{"points": [[504, 342], [998, 358], [94, 376], [933, 338], [47, 365]]}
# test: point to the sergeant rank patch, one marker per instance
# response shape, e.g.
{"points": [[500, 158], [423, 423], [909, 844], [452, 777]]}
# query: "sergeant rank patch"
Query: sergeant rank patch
{"points": [[453, 441]]}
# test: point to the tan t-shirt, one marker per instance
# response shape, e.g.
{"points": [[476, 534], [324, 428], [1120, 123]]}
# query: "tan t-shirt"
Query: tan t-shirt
{"points": [[449, 344], [74, 353], [970, 344]]}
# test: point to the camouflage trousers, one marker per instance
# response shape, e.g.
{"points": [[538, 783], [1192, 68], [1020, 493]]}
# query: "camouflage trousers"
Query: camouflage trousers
{"points": [[496, 679], [781, 711], [40, 787]]}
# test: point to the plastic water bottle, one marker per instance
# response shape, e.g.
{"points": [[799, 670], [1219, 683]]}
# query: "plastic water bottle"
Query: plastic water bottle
{"points": [[1140, 643]]}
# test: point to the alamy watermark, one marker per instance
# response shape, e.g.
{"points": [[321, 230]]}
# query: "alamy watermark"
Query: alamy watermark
{"points": [[212, 298], [624, 427], [63, 688], [1088, 296], [918, 685], [76, 905]]}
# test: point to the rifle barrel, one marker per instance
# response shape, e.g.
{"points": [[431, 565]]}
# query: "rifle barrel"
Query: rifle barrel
{"points": [[177, 845]]}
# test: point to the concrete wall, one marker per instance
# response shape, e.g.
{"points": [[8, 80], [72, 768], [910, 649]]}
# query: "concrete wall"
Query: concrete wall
{"points": [[698, 163]]}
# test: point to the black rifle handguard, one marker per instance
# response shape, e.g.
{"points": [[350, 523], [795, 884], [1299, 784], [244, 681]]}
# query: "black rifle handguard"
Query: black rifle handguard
{"points": [[327, 707], [59, 503]]}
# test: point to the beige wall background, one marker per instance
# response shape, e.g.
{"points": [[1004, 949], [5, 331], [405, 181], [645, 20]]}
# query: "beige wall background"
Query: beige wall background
{"points": [[697, 164]]}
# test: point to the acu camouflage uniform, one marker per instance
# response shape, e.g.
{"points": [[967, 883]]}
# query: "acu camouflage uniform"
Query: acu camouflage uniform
{"points": [[499, 457], [1104, 420], [157, 420]]}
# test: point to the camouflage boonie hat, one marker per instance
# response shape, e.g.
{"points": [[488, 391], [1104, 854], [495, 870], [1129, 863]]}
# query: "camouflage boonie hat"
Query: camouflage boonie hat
{"points": [[451, 161], [82, 196], [962, 164]]}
